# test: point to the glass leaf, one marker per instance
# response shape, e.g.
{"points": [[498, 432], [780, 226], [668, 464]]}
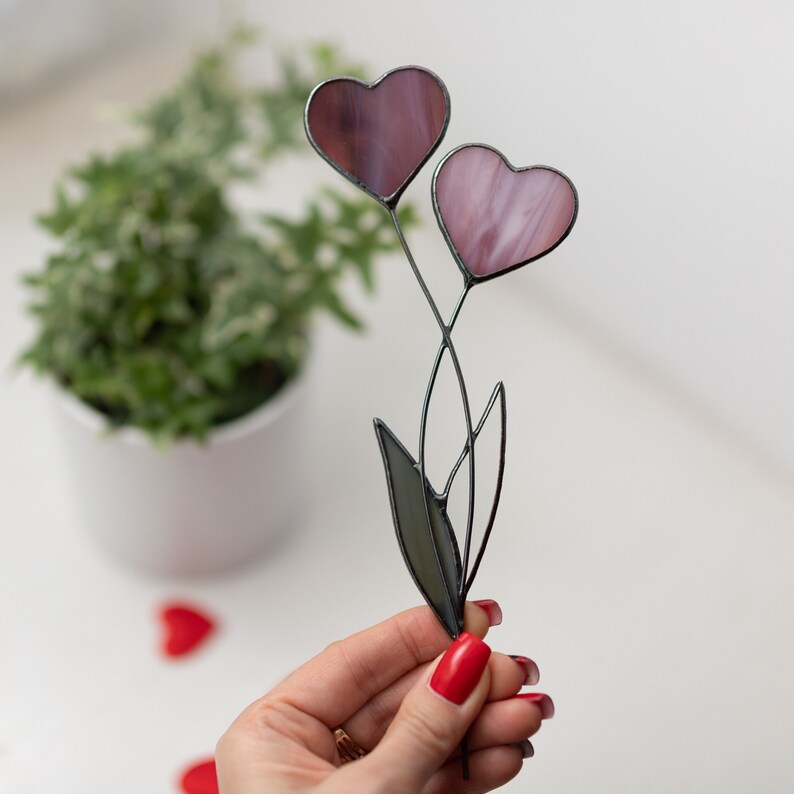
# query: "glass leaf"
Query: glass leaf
{"points": [[430, 552]]}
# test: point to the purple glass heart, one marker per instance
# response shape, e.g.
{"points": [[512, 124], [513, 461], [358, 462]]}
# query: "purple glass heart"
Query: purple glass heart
{"points": [[496, 217], [379, 134]]}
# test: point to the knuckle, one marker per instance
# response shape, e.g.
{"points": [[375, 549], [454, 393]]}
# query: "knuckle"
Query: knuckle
{"points": [[417, 637], [333, 648], [261, 718], [266, 714]]}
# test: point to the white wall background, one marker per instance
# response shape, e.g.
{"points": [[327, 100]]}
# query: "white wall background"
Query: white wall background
{"points": [[676, 121], [43, 40]]}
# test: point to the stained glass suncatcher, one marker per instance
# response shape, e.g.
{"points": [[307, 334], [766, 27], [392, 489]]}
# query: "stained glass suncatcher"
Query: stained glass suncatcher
{"points": [[495, 218]]}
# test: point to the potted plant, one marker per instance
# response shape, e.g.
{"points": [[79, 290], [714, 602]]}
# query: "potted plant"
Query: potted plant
{"points": [[182, 324]]}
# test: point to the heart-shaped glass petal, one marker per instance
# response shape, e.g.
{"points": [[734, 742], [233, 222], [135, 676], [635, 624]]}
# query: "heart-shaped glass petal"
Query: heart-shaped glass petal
{"points": [[379, 134], [495, 217]]}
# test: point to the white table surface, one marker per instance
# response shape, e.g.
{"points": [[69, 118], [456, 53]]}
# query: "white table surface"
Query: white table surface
{"points": [[642, 556]]}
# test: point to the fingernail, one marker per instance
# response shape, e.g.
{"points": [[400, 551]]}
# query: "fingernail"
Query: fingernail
{"points": [[527, 750], [492, 609], [543, 702], [532, 674], [460, 668]]}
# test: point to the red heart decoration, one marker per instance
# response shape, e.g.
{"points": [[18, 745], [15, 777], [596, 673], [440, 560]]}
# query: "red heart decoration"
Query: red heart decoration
{"points": [[200, 778], [379, 134], [185, 628], [496, 217]]}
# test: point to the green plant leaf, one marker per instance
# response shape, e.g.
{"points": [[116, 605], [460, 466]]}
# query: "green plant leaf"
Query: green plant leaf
{"points": [[163, 305]]}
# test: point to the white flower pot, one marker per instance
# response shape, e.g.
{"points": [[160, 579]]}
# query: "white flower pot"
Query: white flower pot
{"points": [[188, 509]]}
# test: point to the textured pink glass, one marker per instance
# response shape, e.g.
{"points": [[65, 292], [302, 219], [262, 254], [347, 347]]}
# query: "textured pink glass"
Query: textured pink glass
{"points": [[497, 217], [379, 135]]}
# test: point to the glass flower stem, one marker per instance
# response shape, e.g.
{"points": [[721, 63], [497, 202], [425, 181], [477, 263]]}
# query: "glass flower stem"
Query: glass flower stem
{"points": [[446, 344], [470, 439], [428, 393], [500, 392], [465, 451]]}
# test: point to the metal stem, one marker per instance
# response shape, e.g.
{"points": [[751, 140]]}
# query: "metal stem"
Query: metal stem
{"points": [[498, 492], [465, 451], [431, 383], [445, 344]]}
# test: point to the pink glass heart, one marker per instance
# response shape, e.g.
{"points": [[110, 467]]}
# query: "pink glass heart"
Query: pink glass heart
{"points": [[379, 135], [496, 217]]}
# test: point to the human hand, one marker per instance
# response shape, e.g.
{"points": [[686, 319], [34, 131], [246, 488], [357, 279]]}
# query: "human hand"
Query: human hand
{"points": [[407, 708]]}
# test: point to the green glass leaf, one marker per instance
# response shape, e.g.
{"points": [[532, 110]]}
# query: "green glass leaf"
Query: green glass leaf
{"points": [[430, 552]]}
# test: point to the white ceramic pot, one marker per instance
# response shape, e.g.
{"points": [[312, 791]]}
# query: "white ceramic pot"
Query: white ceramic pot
{"points": [[189, 509]]}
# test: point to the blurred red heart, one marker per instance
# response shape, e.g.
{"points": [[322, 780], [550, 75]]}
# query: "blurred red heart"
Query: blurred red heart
{"points": [[185, 628], [200, 778], [379, 134]]}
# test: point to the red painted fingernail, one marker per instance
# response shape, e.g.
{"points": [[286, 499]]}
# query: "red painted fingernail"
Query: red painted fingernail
{"points": [[532, 674], [543, 702], [492, 609], [460, 668]]}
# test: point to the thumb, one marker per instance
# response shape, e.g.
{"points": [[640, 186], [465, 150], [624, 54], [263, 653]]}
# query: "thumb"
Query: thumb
{"points": [[432, 719]]}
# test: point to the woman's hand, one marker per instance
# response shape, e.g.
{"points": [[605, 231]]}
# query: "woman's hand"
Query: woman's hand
{"points": [[409, 709]]}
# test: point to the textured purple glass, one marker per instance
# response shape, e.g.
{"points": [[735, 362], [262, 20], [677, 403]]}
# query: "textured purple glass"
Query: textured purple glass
{"points": [[379, 135], [497, 217]]}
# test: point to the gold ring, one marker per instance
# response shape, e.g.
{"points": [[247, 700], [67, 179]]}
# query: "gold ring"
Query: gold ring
{"points": [[348, 749]]}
